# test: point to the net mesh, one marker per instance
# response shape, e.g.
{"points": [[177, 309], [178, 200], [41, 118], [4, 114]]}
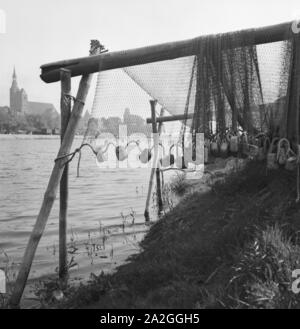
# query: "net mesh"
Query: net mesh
{"points": [[224, 86]]}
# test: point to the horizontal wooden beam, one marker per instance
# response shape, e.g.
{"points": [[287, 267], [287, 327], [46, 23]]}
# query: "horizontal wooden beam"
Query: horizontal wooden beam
{"points": [[167, 51], [171, 118], [181, 117]]}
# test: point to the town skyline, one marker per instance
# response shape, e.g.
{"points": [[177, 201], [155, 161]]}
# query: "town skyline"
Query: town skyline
{"points": [[24, 116]]}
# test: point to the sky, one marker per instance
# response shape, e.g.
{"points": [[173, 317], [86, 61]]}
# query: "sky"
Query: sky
{"points": [[40, 31]]}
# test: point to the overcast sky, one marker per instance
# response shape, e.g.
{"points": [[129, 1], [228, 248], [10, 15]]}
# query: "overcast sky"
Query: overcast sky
{"points": [[40, 31]]}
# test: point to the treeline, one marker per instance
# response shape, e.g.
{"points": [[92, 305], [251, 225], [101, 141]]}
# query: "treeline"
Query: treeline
{"points": [[112, 125], [25, 122], [50, 119], [133, 123]]}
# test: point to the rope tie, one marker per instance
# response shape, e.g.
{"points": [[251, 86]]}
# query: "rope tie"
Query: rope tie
{"points": [[72, 154], [69, 97]]}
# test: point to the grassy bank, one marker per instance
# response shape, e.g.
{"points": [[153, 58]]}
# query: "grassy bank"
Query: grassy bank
{"points": [[233, 247]]}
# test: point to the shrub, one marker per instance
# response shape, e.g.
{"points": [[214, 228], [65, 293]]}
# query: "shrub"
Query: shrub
{"points": [[179, 185]]}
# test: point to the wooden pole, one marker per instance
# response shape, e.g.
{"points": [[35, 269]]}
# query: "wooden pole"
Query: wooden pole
{"points": [[297, 108], [155, 160], [158, 181], [181, 117], [65, 110], [171, 118], [161, 52], [51, 192]]}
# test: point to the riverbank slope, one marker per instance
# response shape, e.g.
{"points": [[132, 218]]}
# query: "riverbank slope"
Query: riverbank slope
{"points": [[234, 246]]}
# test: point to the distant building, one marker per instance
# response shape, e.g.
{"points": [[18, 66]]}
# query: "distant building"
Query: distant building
{"points": [[46, 131], [135, 123], [18, 97], [56, 131], [132, 119], [19, 101]]}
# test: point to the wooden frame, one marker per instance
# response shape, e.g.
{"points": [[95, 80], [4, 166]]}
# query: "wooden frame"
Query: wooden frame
{"points": [[167, 51]]}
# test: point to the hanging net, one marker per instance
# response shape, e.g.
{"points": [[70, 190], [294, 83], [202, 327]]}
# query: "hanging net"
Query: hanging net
{"points": [[223, 87]]}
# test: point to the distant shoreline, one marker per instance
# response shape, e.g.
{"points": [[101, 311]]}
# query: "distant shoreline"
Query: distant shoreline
{"points": [[25, 136]]}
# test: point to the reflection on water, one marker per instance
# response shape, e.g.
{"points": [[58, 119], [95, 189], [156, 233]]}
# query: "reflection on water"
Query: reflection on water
{"points": [[105, 216]]}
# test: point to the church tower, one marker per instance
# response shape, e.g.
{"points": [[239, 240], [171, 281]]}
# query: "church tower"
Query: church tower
{"points": [[18, 98], [14, 85], [14, 94]]}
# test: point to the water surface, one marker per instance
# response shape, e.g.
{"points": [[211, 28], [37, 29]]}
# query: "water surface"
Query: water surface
{"points": [[101, 201]]}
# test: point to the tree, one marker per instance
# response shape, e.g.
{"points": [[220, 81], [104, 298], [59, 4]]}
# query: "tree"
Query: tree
{"points": [[4, 119], [111, 125], [50, 119]]}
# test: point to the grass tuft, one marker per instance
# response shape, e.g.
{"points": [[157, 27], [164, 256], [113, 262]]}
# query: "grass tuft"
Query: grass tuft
{"points": [[179, 185], [263, 271]]}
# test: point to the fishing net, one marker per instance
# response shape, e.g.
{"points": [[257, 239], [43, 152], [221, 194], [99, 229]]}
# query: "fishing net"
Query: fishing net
{"points": [[230, 84]]}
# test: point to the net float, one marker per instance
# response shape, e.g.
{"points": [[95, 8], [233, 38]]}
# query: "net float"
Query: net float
{"points": [[234, 144], [272, 155], [121, 153], [145, 156], [224, 149], [282, 150], [291, 162]]}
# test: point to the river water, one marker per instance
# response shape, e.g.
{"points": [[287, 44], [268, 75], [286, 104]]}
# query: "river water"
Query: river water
{"points": [[105, 216]]}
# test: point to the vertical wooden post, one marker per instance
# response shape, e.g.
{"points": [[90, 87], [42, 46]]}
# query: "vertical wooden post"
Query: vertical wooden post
{"points": [[158, 181], [51, 192], [155, 168], [65, 109], [297, 108]]}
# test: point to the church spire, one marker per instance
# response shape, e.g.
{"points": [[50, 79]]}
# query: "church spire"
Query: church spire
{"points": [[14, 74], [14, 86]]}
